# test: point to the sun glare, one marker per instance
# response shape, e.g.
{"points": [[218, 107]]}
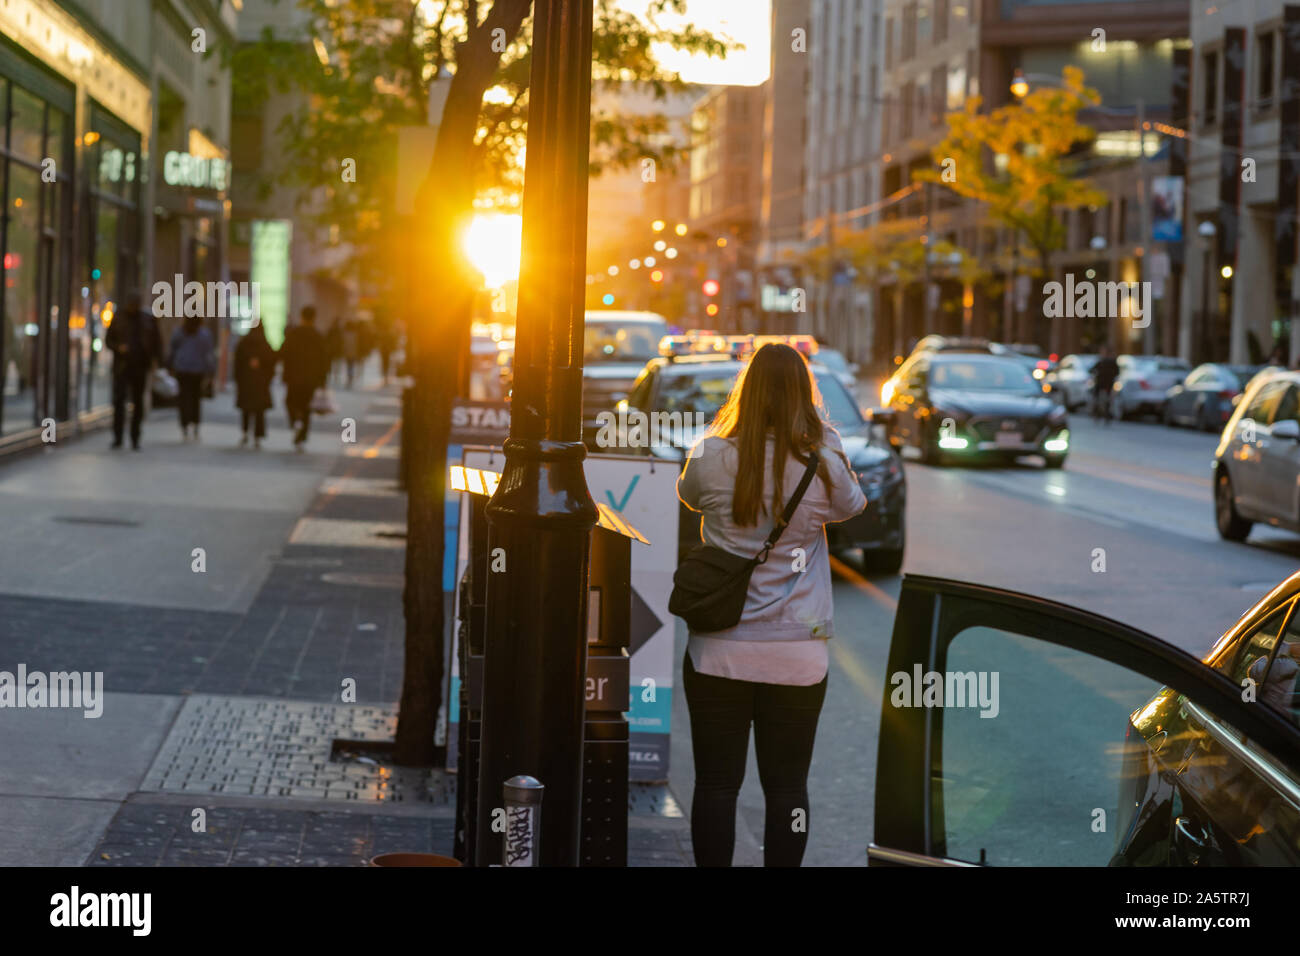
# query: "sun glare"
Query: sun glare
{"points": [[492, 244]]}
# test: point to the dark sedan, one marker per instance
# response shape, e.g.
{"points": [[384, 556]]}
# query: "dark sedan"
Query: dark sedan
{"points": [[956, 406], [1110, 747], [1204, 399]]}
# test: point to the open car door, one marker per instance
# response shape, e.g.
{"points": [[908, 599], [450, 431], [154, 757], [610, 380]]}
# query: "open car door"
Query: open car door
{"points": [[1020, 731]]}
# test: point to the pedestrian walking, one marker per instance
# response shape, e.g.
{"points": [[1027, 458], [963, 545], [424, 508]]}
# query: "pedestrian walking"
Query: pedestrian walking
{"points": [[306, 367], [1104, 374], [254, 368], [770, 669], [351, 350], [192, 360], [136, 344], [334, 351], [385, 342]]}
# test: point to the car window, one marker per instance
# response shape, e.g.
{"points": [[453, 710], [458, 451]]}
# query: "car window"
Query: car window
{"points": [[1271, 676], [993, 375], [1261, 407], [703, 392], [642, 390], [1288, 407], [1006, 748], [620, 342], [841, 410]]}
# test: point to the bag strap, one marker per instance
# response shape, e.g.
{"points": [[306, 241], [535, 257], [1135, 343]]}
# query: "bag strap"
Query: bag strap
{"points": [[790, 507]]}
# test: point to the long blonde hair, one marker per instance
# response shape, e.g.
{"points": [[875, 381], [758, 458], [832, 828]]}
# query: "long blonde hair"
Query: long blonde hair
{"points": [[775, 395]]}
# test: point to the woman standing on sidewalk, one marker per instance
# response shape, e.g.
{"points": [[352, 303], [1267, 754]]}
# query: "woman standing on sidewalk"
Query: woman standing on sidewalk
{"points": [[770, 669], [192, 360], [254, 368]]}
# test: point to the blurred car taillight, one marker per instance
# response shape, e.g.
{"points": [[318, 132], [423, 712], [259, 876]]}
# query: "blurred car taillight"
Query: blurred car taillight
{"points": [[1142, 383]]}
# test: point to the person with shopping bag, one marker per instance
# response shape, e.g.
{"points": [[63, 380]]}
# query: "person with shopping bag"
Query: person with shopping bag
{"points": [[306, 366]]}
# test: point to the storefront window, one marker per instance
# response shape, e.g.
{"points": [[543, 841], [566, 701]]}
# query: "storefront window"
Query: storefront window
{"points": [[22, 319], [32, 292]]}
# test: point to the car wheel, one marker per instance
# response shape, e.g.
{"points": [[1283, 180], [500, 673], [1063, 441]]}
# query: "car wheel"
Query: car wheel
{"points": [[886, 560], [1231, 525], [1203, 422], [1054, 461], [930, 452]]}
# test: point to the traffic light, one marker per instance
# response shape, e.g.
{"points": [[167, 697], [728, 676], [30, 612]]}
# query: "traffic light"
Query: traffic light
{"points": [[711, 309], [710, 287]]}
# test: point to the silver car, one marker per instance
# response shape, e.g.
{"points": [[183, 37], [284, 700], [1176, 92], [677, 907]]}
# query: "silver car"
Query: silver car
{"points": [[1071, 380], [1143, 382], [1257, 463]]}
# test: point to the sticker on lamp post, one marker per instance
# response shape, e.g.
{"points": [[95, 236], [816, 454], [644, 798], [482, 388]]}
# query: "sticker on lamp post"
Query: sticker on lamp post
{"points": [[523, 837]]}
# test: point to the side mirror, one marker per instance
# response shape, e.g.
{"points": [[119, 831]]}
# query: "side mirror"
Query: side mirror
{"points": [[1287, 428]]}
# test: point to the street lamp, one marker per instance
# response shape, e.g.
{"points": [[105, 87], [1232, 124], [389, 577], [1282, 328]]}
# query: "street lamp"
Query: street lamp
{"points": [[1019, 84], [541, 516]]}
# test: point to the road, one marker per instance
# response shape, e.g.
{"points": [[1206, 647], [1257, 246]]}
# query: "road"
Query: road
{"points": [[1138, 490]]}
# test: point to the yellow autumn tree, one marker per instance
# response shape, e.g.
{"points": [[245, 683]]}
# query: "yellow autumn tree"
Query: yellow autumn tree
{"points": [[1019, 161]]}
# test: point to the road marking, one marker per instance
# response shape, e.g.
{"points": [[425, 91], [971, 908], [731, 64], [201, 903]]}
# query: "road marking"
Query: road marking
{"points": [[862, 584], [374, 450]]}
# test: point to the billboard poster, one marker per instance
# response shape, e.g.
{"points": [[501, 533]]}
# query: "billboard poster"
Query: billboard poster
{"points": [[1167, 209]]}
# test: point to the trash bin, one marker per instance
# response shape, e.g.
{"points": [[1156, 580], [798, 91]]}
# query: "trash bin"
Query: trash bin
{"points": [[413, 859]]}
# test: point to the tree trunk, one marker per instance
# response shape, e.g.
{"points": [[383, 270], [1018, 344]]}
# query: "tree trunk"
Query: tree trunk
{"points": [[439, 311]]}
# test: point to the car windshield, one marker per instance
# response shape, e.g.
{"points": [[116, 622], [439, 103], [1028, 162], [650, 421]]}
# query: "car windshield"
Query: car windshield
{"points": [[841, 410], [702, 392], [832, 359], [705, 391], [1002, 376], [621, 341]]}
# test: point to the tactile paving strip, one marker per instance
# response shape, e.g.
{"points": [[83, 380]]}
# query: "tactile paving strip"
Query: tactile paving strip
{"points": [[248, 746]]}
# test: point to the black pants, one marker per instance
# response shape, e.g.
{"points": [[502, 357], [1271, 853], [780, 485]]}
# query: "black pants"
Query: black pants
{"points": [[297, 401], [191, 384], [785, 725], [1101, 409], [128, 386], [257, 419]]}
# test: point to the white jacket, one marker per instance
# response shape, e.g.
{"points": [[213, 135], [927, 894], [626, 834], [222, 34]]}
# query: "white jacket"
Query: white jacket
{"points": [[789, 596]]}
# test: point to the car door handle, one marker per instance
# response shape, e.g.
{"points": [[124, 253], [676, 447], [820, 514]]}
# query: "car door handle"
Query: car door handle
{"points": [[1187, 830]]}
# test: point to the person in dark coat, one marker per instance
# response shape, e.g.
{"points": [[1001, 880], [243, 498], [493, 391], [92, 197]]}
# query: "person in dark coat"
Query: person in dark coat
{"points": [[306, 366], [254, 368], [1104, 374], [136, 344]]}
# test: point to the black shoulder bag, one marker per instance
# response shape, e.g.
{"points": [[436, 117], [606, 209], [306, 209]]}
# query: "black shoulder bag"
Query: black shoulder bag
{"points": [[710, 584]]}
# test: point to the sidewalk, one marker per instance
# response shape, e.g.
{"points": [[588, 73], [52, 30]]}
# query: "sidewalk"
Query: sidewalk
{"points": [[223, 686]]}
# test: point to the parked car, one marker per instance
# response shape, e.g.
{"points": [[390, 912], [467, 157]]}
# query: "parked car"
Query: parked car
{"points": [[1204, 399], [699, 384], [615, 347], [1143, 383], [1071, 381], [1110, 747], [955, 405], [1257, 463]]}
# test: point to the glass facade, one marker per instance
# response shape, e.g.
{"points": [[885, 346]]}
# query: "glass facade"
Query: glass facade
{"points": [[35, 181]]}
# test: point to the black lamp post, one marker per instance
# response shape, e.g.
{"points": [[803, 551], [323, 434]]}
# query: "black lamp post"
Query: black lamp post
{"points": [[540, 519]]}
